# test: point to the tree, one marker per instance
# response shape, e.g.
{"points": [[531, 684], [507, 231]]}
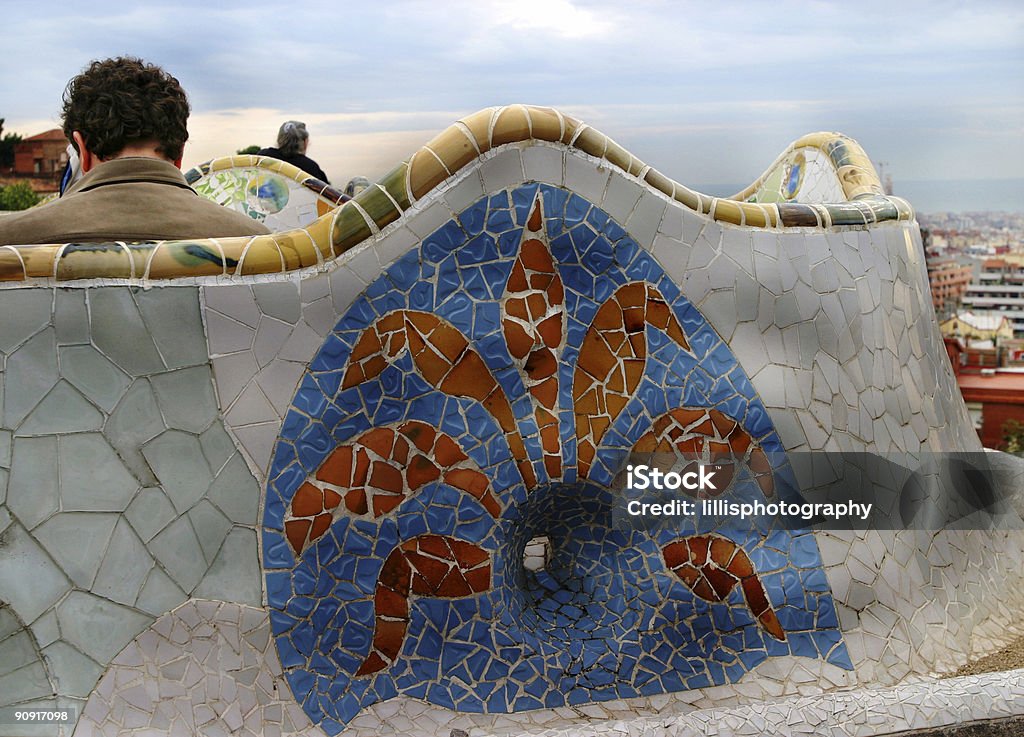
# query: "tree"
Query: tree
{"points": [[248, 150], [18, 196], [1013, 436], [7, 147]]}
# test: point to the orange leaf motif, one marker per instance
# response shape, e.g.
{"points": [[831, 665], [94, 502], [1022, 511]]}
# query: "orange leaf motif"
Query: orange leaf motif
{"points": [[711, 566], [428, 565]]}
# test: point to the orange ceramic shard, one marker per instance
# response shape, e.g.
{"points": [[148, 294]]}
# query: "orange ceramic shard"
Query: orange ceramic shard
{"points": [[295, 531], [703, 589], [770, 622], [374, 663], [536, 217], [390, 603], [447, 452], [519, 341], [722, 550], [355, 501], [362, 467], [467, 554], [688, 574], [308, 501], [380, 440], [757, 600], [420, 471], [389, 636], [469, 378], [321, 523], [469, 480], [741, 565], [454, 585], [396, 573], [698, 549], [419, 434], [491, 504], [384, 503], [479, 579], [724, 425], [331, 499], [337, 469], [387, 478], [676, 554], [721, 581], [541, 364], [427, 573], [546, 393]]}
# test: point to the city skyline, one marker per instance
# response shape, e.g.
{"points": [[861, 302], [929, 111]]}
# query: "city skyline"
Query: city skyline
{"points": [[705, 94]]}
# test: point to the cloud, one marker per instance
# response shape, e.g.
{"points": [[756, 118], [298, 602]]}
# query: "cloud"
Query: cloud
{"points": [[553, 18], [666, 78]]}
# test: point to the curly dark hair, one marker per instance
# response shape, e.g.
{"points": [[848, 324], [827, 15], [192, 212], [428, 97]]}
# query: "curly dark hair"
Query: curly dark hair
{"points": [[117, 102]]}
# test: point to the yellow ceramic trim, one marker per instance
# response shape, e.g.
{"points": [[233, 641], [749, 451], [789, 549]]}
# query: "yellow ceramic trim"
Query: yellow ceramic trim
{"points": [[442, 157]]}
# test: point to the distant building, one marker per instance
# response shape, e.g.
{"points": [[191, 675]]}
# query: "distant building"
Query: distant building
{"points": [[991, 381], [42, 158], [993, 396], [999, 289], [1013, 353], [949, 280], [991, 327]]}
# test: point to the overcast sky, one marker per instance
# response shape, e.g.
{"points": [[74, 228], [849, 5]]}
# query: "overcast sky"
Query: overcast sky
{"points": [[706, 92]]}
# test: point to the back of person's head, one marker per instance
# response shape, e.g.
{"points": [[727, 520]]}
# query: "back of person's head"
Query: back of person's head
{"points": [[356, 185], [118, 102], [292, 137]]}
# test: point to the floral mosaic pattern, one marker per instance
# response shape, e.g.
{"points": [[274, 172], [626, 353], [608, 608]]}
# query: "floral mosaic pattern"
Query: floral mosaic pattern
{"points": [[273, 192], [484, 390]]}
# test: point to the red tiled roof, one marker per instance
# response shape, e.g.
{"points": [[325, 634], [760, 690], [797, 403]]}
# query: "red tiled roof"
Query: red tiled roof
{"points": [[56, 134], [1003, 387]]}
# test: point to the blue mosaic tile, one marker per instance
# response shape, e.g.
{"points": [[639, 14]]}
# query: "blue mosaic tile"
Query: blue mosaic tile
{"points": [[474, 217], [448, 279], [276, 553], [458, 310], [488, 319], [443, 241], [289, 656], [388, 303], [576, 209], [757, 421], [522, 200], [573, 638], [480, 249]]}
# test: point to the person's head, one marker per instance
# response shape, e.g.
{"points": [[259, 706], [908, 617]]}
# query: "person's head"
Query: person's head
{"points": [[293, 138], [356, 185], [124, 106]]}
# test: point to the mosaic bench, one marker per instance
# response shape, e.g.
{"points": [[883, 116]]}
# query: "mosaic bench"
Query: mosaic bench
{"points": [[360, 475]]}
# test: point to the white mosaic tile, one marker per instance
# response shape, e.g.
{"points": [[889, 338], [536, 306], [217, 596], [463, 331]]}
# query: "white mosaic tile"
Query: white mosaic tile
{"points": [[206, 668]]}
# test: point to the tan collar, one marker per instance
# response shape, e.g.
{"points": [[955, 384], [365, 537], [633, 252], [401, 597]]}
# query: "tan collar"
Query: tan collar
{"points": [[129, 170]]}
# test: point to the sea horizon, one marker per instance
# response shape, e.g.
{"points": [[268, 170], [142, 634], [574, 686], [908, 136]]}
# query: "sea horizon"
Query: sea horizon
{"points": [[935, 196]]}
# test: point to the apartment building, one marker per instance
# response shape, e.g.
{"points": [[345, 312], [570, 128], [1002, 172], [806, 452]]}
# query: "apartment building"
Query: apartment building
{"points": [[999, 289]]}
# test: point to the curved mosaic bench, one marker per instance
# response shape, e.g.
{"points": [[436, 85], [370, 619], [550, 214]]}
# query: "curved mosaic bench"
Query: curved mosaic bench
{"points": [[351, 432]]}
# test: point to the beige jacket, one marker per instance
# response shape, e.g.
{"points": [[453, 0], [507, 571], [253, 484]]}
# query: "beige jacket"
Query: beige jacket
{"points": [[130, 199]]}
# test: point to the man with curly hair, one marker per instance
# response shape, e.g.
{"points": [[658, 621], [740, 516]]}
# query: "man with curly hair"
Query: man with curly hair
{"points": [[127, 121]]}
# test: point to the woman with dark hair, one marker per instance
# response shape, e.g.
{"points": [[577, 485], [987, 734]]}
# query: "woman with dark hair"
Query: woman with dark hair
{"points": [[292, 142]]}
